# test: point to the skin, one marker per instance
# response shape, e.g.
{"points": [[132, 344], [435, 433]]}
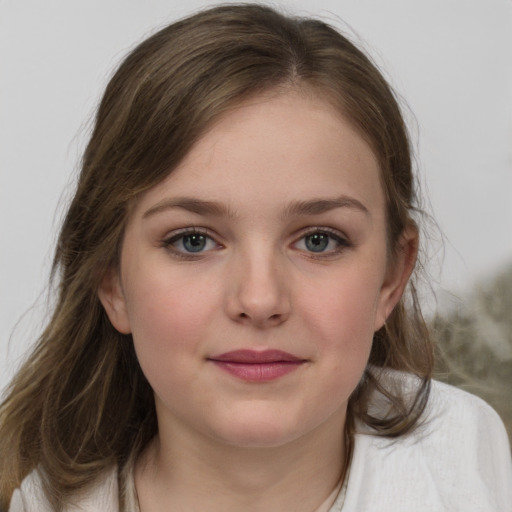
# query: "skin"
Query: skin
{"points": [[256, 284]]}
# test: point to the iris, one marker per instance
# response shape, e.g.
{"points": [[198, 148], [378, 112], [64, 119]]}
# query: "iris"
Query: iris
{"points": [[194, 242], [317, 242]]}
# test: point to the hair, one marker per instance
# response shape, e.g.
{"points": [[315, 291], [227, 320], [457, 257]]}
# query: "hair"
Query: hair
{"points": [[81, 403]]}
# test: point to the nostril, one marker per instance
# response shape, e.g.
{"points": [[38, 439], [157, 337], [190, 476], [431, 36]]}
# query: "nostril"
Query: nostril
{"points": [[277, 317]]}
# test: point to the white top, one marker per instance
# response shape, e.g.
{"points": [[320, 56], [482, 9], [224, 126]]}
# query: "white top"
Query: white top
{"points": [[458, 460]]}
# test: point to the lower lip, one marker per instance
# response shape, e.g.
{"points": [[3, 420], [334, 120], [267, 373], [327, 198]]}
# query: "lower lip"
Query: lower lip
{"points": [[258, 372]]}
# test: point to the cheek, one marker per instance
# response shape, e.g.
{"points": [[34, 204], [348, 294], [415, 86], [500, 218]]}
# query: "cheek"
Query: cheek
{"points": [[168, 312], [341, 316]]}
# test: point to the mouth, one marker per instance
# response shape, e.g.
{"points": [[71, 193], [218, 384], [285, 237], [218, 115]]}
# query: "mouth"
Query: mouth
{"points": [[254, 366]]}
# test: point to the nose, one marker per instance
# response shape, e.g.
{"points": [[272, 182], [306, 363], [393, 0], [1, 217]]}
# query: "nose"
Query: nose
{"points": [[258, 290]]}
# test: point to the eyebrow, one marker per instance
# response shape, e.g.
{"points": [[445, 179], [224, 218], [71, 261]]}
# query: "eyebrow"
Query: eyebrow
{"points": [[294, 209], [198, 206], [318, 206]]}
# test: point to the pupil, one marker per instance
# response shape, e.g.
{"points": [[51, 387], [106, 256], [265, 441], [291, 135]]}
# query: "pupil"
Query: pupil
{"points": [[194, 243], [317, 242]]}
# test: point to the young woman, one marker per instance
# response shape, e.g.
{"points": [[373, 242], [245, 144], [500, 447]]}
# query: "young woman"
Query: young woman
{"points": [[231, 330]]}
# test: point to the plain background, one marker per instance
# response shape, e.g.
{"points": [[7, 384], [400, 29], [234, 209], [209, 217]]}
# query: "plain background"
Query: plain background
{"points": [[450, 59]]}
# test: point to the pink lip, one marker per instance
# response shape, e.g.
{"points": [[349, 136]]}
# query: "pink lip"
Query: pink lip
{"points": [[251, 365]]}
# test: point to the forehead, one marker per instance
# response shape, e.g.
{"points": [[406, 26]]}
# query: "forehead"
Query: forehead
{"points": [[274, 149]]}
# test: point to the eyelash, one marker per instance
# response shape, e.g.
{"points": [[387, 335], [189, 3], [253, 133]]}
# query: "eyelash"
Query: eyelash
{"points": [[342, 242], [169, 243], [333, 235]]}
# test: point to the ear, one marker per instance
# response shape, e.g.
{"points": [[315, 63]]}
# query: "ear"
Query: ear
{"points": [[397, 275], [112, 298]]}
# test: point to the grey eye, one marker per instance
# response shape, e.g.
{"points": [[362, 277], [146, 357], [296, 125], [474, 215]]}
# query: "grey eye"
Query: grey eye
{"points": [[317, 242], [194, 242], [321, 242], [191, 243]]}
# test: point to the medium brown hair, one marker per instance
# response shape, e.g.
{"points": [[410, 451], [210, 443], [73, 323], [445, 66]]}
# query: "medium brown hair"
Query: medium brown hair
{"points": [[80, 404]]}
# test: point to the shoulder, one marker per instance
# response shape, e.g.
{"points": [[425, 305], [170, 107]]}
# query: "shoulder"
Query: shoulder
{"points": [[450, 411], [456, 414], [102, 495], [458, 458], [461, 429]]}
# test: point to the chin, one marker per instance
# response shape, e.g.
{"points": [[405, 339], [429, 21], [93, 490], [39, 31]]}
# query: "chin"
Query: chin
{"points": [[260, 432]]}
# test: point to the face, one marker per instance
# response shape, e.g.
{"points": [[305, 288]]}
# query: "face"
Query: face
{"points": [[254, 277]]}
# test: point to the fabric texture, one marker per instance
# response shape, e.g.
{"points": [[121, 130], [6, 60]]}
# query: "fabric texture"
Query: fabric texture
{"points": [[458, 459]]}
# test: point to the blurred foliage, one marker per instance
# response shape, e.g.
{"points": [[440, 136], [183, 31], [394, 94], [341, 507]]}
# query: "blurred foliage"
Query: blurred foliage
{"points": [[475, 344]]}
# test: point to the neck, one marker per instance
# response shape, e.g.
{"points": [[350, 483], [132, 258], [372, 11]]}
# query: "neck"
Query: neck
{"points": [[183, 473]]}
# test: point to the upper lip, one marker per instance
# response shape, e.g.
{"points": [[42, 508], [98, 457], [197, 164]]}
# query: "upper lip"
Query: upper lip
{"points": [[255, 357]]}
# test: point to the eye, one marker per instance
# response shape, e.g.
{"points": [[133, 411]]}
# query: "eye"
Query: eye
{"points": [[190, 242], [322, 241]]}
